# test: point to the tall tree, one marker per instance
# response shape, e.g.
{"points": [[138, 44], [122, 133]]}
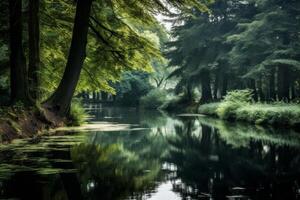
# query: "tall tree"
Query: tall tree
{"points": [[113, 14], [61, 99], [18, 71], [199, 49], [268, 46]]}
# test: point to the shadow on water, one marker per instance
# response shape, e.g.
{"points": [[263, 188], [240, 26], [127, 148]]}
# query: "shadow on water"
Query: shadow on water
{"points": [[165, 158]]}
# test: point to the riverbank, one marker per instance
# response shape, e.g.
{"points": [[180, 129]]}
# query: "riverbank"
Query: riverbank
{"points": [[23, 122], [18, 122], [275, 114]]}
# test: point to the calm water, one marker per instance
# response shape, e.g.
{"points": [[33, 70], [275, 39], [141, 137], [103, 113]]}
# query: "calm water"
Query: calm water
{"points": [[151, 156]]}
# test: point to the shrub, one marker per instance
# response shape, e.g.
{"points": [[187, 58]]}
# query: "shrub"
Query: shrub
{"points": [[154, 99], [209, 109], [233, 101], [276, 114], [239, 96], [77, 115]]}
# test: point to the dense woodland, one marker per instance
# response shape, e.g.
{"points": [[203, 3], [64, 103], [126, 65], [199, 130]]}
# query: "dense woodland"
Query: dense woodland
{"points": [[238, 45], [52, 51], [119, 99], [49, 48]]}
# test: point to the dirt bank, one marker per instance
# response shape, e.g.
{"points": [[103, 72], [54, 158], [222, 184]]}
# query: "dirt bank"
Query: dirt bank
{"points": [[16, 122]]}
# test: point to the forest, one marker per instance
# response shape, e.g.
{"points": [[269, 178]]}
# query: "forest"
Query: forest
{"points": [[152, 100], [237, 60], [218, 58], [53, 50]]}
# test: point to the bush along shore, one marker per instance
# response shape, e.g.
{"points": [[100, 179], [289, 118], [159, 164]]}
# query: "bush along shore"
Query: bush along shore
{"points": [[238, 105]]}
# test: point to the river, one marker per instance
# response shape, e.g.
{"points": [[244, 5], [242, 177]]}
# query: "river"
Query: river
{"points": [[148, 155]]}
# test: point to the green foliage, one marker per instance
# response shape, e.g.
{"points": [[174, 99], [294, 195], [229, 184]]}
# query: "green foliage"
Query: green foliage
{"points": [[227, 110], [3, 52], [245, 40], [154, 99], [132, 87], [233, 101], [276, 114], [123, 37], [3, 82], [209, 109], [179, 104], [239, 96], [78, 114], [270, 37], [242, 135], [238, 105]]}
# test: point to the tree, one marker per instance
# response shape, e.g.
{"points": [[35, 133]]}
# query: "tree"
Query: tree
{"points": [[199, 52], [268, 45], [238, 45], [18, 71], [61, 99]]}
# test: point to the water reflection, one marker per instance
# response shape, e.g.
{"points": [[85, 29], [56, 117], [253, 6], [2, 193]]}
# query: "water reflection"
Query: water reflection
{"points": [[170, 158]]}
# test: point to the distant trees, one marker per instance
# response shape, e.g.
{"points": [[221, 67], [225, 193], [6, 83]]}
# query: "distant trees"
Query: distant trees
{"points": [[274, 35], [240, 44], [132, 87]]}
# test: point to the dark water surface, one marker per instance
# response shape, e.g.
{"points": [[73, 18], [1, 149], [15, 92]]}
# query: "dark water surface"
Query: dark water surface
{"points": [[155, 157]]}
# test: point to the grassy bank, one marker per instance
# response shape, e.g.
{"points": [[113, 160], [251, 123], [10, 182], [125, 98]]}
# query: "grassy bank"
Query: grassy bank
{"points": [[238, 106]]}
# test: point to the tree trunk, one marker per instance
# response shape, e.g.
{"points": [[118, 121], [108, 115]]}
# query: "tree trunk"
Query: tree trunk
{"points": [[283, 83], [272, 92], [260, 90], [216, 85], [297, 88], [18, 72], [206, 95], [61, 99], [94, 96], [293, 91], [293, 86], [224, 85], [104, 96], [98, 96], [34, 48], [252, 86]]}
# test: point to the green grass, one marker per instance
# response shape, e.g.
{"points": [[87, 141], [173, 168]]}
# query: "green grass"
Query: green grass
{"points": [[78, 114], [209, 109], [277, 113], [281, 114]]}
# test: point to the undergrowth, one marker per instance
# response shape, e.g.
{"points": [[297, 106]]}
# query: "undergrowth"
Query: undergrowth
{"points": [[154, 99], [78, 114]]}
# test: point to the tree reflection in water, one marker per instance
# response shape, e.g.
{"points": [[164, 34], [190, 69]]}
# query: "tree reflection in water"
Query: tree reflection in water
{"points": [[192, 158], [262, 167]]}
